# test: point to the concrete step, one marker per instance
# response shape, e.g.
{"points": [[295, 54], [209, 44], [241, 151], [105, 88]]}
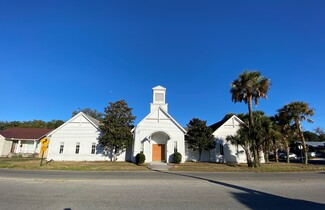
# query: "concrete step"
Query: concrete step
{"points": [[159, 166]]}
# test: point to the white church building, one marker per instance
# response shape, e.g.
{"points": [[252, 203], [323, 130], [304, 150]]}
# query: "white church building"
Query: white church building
{"points": [[158, 136]]}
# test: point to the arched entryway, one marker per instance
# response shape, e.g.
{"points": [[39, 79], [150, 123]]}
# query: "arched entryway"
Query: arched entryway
{"points": [[159, 146]]}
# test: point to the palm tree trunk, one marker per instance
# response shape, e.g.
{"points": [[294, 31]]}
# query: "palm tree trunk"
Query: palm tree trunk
{"points": [[248, 156], [275, 151], [286, 145], [303, 143], [266, 155], [258, 157], [266, 150], [250, 111], [255, 157]]}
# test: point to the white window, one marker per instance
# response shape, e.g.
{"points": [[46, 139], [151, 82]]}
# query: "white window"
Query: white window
{"points": [[175, 146], [142, 147], [61, 147], [159, 97], [93, 148], [221, 149], [77, 147]]}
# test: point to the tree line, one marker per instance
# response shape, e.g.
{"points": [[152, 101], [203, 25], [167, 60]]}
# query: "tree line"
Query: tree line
{"points": [[53, 124], [31, 124]]}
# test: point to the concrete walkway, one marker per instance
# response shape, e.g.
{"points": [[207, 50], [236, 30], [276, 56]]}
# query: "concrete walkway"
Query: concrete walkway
{"points": [[159, 166]]}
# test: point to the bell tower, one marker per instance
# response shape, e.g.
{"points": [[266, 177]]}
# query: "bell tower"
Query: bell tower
{"points": [[159, 97]]}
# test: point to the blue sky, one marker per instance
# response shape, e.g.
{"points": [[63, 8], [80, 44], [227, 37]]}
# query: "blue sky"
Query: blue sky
{"points": [[57, 56]]}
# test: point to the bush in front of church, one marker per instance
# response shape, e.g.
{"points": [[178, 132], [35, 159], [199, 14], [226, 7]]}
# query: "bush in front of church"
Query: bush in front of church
{"points": [[140, 158], [177, 157]]}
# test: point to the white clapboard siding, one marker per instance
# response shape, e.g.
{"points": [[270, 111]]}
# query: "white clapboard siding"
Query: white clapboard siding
{"points": [[79, 130]]}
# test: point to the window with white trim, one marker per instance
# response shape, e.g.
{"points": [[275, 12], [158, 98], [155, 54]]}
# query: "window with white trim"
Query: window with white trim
{"points": [[61, 148], [221, 149], [175, 146], [93, 148], [142, 147], [77, 148]]}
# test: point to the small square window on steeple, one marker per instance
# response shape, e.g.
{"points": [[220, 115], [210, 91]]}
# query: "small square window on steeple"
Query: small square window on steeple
{"points": [[159, 97]]}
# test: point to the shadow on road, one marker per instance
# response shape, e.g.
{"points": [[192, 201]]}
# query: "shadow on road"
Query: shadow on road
{"points": [[254, 199]]}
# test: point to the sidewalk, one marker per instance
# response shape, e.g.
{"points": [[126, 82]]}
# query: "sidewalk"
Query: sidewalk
{"points": [[159, 166]]}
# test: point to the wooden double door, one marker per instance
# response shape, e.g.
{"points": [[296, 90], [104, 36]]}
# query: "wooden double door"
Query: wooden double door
{"points": [[158, 152]]}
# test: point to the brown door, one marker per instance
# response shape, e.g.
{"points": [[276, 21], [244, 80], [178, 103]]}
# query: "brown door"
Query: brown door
{"points": [[158, 152]]}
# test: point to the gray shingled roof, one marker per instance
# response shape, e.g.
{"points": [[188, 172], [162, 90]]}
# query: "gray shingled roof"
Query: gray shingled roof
{"points": [[93, 120]]}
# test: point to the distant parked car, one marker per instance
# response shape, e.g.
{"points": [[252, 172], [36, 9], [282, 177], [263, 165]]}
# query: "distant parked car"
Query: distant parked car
{"points": [[292, 156], [311, 154], [314, 154]]}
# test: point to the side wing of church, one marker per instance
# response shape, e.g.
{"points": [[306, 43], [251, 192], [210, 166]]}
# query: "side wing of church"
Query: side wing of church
{"points": [[158, 135]]}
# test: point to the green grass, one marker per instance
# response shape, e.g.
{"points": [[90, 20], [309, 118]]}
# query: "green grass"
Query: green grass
{"points": [[266, 167], [34, 164]]}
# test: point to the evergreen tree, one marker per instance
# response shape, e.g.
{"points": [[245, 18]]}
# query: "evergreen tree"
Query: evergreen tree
{"points": [[116, 128], [199, 136]]}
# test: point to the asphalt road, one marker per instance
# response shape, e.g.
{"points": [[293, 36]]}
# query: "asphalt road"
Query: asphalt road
{"points": [[160, 190]]}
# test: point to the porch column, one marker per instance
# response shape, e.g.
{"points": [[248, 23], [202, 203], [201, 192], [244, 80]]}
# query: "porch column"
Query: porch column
{"points": [[35, 144], [18, 147]]}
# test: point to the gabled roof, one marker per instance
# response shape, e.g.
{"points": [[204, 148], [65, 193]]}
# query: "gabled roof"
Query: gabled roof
{"points": [[92, 120], [159, 88], [217, 125], [168, 115], [172, 119], [24, 133]]}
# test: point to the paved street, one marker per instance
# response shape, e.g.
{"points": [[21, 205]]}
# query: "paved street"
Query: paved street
{"points": [[160, 190]]}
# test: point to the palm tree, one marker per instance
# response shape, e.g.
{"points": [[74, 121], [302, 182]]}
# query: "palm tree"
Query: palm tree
{"points": [[242, 139], [248, 87], [276, 137], [269, 133], [296, 113], [284, 127]]}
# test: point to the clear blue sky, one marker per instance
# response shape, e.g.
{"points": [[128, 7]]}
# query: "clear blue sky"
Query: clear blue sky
{"points": [[56, 56]]}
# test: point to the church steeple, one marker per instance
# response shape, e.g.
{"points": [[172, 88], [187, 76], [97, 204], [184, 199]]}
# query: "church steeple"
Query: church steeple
{"points": [[159, 97]]}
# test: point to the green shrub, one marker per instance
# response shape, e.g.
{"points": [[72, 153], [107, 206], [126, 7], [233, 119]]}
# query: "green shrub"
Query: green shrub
{"points": [[140, 158], [177, 157]]}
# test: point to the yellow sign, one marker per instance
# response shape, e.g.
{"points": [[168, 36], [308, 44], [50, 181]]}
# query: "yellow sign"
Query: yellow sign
{"points": [[45, 141], [44, 146]]}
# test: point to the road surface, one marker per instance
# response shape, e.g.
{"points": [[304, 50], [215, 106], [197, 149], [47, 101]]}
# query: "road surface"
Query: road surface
{"points": [[21, 189]]}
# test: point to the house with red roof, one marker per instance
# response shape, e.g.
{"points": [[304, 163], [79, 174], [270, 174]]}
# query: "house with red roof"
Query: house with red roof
{"points": [[24, 141]]}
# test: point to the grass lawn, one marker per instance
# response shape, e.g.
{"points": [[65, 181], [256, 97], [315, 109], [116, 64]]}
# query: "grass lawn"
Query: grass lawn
{"points": [[266, 167], [34, 164]]}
